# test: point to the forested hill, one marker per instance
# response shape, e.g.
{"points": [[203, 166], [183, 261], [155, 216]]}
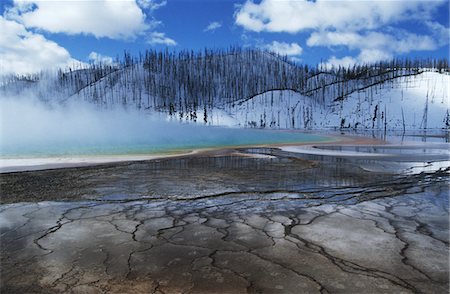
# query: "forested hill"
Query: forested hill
{"points": [[254, 88]]}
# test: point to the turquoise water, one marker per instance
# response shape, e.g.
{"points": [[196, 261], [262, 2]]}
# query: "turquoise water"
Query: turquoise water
{"points": [[151, 142]]}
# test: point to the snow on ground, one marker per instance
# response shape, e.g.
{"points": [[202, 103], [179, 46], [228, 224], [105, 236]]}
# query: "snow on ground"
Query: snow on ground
{"points": [[418, 102], [412, 102]]}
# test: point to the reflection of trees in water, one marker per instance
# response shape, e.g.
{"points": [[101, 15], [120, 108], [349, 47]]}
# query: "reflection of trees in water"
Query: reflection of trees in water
{"points": [[218, 172]]}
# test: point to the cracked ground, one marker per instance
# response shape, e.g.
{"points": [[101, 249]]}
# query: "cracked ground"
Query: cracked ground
{"points": [[226, 222]]}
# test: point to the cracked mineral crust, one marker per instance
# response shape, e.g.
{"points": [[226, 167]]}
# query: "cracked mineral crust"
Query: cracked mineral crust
{"points": [[225, 224]]}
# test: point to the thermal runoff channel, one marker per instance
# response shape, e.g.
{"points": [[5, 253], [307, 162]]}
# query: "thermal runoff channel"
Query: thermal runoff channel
{"points": [[32, 129]]}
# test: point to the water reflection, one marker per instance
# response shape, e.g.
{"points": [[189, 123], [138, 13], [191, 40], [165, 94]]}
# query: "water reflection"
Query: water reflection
{"points": [[191, 176], [403, 136]]}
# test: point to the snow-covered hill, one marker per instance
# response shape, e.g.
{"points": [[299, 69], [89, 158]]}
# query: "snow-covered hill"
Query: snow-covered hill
{"points": [[412, 102], [254, 88]]}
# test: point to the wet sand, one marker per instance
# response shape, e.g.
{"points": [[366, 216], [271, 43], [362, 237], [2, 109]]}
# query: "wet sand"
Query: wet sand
{"points": [[245, 220]]}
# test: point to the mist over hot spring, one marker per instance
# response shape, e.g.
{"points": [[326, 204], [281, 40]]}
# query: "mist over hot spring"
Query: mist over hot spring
{"points": [[31, 128]]}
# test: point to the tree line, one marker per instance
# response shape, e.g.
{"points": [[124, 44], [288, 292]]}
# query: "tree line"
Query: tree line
{"points": [[188, 83]]}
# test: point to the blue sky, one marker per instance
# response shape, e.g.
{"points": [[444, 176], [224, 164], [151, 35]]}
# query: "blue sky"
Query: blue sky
{"points": [[38, 34]]}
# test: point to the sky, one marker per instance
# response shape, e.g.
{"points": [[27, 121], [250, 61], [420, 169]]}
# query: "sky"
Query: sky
{"points": [[43, 34]]}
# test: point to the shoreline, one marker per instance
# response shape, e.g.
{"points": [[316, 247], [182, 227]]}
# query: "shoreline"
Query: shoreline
{"points": [[129, 227], [45, 163], [16, 165]]}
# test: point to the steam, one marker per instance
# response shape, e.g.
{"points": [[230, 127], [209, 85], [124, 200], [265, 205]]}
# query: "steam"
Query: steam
{"points": [[29, 127], [25, 122]]}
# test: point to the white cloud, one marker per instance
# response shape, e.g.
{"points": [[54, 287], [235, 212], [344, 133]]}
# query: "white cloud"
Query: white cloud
{"points": [[213, 26], [101, 18], [373, 46], [373, 55], [440, 32], [284, 48], [366, 56], [398, 42], [157, 38], [326, 38], [25, 52], [249, 16], [99, 58], [346, 61], [151, 4], [295, 59], [295, 16], [365, 26]]}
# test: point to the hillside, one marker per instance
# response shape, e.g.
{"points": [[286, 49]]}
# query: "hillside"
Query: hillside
{"points": [[253, 88], [413, 102]]}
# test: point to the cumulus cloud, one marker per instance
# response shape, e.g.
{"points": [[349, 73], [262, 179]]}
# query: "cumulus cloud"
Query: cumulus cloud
{"points": [[364, 57], [213, 26], [158, 38], [439, 32], [151, 4], [99, 58], [401, 41], [100, 18], [24, 52], [372, 46], [346, 61], [365, 26], [283, 48], [295, 16]]}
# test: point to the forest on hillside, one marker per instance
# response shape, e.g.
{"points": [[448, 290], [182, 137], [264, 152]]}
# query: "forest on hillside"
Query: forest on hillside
{"points": [[188, 84]]}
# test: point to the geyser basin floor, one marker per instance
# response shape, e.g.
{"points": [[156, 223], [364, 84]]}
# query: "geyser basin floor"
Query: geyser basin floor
{"points": [[280, 223], [46, 155], [29, 164]]}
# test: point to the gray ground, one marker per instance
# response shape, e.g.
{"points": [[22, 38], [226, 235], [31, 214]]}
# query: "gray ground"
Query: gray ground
{"points": [[226, 223]]}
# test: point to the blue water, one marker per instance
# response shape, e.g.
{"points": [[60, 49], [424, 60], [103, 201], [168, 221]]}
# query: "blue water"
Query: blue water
{"points": [[151, 142]]}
